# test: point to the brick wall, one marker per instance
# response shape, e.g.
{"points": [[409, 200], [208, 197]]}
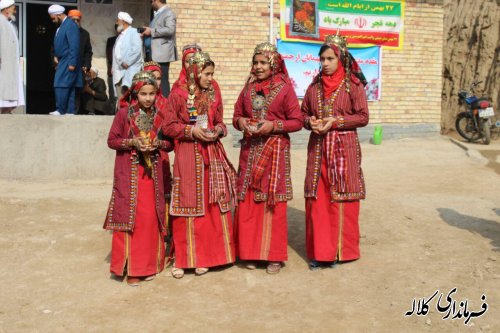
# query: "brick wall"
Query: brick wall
{"points": [[411, 77], [229, 31]]}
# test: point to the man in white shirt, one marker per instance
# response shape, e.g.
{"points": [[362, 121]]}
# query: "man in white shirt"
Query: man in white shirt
{"points": [[127, 54]]}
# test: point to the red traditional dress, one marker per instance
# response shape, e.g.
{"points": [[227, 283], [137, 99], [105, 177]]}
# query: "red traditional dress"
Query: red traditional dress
{"points": [[334, 181], [203, 191], [136, 212], [264, 183], [161, 104]]}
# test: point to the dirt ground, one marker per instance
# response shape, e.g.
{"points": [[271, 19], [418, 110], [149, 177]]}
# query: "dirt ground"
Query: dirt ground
{"points": [[431, 222]]}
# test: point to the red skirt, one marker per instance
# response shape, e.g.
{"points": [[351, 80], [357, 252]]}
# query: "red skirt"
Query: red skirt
{"points": [[203, 241], [142, 251], [332, 229], [261, 231]]}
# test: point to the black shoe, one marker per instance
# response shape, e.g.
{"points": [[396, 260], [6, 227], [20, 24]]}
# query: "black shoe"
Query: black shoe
{"points": [[314, 265]]}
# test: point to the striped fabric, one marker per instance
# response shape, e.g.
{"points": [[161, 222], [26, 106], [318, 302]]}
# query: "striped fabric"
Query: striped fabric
{"points": [[336, 161], [270, 153], [221, 176], [340, 146]]}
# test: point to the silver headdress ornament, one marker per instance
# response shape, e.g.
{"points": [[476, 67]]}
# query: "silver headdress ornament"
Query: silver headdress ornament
{"points": [[338, 40], [145, 76], [200, 59], [267, 49]]}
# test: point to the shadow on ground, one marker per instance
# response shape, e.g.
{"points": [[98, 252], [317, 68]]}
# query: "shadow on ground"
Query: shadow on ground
{"points": [[296, 231], [487, 228]]}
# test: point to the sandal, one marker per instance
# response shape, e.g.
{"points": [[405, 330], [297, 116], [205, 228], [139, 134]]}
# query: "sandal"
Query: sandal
{"points": [[149, 278], [250, 265], [314, 265], [177, 273], [133, 281], [273, 268], [333, 264], [200, 271]]}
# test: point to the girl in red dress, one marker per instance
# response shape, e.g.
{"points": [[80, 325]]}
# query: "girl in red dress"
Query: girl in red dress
{"points": [[266, 111], [161, 104], [136, 212], [203, 179], [333, 107]]}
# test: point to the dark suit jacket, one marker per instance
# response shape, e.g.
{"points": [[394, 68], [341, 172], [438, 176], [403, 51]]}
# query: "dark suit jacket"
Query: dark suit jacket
{"points": [[110, 44], [85, 49]]}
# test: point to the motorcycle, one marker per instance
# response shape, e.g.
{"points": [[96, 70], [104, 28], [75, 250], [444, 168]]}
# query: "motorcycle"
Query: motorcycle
{"points": [[476, 122]]}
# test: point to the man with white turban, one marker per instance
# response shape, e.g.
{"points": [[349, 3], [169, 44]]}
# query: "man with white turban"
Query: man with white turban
{"points": [[11, 83], [68, 75], [127, 54]]}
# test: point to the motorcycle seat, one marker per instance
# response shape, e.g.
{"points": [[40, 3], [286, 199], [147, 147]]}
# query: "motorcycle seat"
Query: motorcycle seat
{"points": [[481, 103]]}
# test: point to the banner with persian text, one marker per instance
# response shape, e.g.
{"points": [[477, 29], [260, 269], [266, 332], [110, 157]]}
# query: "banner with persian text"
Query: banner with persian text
{"points": [[364, 22], [302, 63]]}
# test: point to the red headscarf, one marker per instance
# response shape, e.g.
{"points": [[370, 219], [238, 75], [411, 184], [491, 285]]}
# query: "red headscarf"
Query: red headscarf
{"points": [[182, 80], [332, 82], [204, 99], [347, 69], [152, 66], [129, 98]]}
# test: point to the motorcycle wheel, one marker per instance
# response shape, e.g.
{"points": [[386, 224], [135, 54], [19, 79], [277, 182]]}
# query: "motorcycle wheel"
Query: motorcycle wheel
{"points": [[486, 129], [465, 127]]}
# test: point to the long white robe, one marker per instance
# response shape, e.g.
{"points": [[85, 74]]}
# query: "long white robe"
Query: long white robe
{"points": [[11, 84]]}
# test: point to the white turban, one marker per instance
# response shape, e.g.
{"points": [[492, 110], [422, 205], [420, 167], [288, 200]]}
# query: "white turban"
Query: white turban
{"points": [[95, 70], [6, 4], [55, 9], [124, 17]]}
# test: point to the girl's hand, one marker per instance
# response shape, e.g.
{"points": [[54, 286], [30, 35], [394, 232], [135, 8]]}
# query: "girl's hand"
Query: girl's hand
{"points": [[243, 125], [316, 124], [155, 144], [327, 125], [265, 127], [140, 144], [200, 134]]}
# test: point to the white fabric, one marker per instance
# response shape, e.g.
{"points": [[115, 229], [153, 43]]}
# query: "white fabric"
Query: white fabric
{"points": [[55, 9], [128, 50], [125, 17], [160, 10], [6, 4], [20, 96], [20, 88], [10, 69], [117, 58], [95, 70]]}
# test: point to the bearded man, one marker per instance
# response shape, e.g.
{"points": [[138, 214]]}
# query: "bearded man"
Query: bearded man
{"points": [[68, 75]]}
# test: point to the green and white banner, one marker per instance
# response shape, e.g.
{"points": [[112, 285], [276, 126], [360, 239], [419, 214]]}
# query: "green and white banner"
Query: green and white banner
{"points": [[363, 22]]}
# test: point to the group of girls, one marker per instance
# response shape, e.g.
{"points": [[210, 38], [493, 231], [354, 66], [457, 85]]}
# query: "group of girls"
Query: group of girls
{"points": [[194, 204]]}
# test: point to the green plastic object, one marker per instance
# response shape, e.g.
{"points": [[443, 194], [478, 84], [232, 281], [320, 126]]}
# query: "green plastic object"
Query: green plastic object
{"points": [[377, 135]]}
